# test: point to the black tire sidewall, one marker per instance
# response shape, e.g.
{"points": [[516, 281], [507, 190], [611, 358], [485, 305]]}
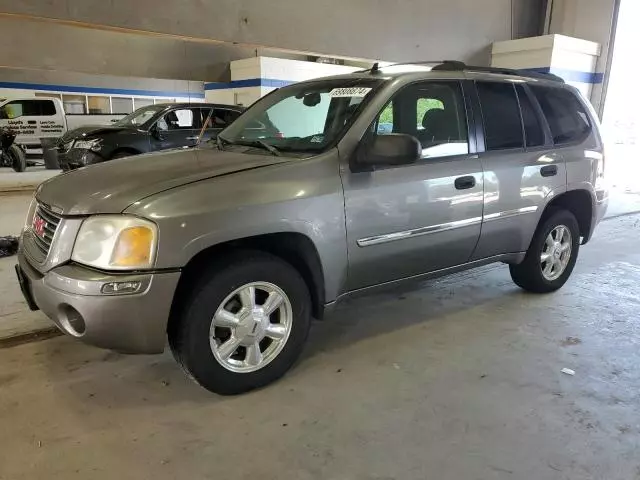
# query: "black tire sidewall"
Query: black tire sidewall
{"points": [[531, 269], [18, 158], [195, 351]]}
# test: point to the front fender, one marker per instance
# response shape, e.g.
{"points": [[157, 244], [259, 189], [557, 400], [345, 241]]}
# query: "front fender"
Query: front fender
{"points": [[303, 197]]}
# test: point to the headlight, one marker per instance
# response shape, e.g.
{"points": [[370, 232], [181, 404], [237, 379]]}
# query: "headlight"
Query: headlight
{"points": [[94, 144], [116, 242], [32, 209]]}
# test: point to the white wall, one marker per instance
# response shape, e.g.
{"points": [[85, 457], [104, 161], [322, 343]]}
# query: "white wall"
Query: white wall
{"points": [[17, 82], [564, 56], [234, 96], [297, 71], [16, 92], [591, 20], [267, 73]]}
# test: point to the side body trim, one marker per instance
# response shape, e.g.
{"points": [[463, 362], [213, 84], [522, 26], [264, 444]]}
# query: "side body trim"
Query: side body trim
{"points": [[443, 227]]}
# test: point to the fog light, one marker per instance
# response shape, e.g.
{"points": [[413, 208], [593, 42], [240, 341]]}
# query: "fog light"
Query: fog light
{"points": [[71, 320], [118, 288]]}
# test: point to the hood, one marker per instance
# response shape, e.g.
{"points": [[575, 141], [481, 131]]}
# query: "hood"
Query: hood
{"points": [[112, 186], [92, 131]]}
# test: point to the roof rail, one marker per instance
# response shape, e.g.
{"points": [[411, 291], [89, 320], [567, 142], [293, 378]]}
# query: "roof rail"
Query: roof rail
{"points": [[457, 66], [450, 65], [376, 66]]}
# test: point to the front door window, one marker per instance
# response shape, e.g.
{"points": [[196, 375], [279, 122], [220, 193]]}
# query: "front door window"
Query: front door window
{"points": [[433, 112]]}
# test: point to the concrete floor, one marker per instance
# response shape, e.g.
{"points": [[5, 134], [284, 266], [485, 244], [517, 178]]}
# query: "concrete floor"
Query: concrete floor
{"points": [[457, 380], [27, 180], [13, 210], [15, 317]]}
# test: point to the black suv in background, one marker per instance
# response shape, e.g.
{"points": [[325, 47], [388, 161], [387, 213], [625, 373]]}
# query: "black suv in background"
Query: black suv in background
{"points": [[148, 129]]}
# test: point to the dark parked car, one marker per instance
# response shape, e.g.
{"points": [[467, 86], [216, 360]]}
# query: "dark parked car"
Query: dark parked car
{"points": [[155, 127]]}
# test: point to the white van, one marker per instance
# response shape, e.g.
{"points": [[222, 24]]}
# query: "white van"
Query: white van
{"points": [[43, 117]]}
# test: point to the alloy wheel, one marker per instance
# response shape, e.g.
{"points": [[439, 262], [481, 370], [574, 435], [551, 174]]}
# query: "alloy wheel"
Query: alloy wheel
{"points": [[556, 253], [251, 327]]}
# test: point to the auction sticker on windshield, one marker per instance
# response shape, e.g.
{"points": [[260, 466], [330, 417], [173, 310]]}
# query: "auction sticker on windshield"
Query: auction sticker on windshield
{"points": [[349, 92]]}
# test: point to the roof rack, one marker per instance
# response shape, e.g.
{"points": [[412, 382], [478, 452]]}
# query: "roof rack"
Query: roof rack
{"points": [[376, 66], [457, 66], [452, 65]]}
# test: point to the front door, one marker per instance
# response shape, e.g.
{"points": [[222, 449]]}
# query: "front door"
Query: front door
{"points": [[177, 128], [413, 219]]}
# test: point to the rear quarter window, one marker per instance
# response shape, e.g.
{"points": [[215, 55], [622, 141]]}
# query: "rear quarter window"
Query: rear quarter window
{"points": [[566, 115]]}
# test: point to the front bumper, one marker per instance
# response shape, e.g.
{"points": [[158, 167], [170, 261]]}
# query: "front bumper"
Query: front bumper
{"points": [[71, 297], [77, 157]]}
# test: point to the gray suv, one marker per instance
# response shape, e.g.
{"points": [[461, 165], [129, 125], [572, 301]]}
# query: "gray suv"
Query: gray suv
{"points": [[321, 190]]}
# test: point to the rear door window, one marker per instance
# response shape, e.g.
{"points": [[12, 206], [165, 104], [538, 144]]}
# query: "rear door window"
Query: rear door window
{"points": [[533, 132], [565, 114], [501, 116], [222, 117], [181, 119]]}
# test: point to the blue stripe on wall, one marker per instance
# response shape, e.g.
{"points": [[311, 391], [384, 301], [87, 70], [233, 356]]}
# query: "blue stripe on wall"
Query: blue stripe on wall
{"points": [[571, 75], [249, 82], [567, 75], [101, 90]]}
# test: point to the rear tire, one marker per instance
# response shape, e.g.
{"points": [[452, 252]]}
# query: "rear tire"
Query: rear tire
{"points": [[560, 249], [198, 341], [18, 158]]}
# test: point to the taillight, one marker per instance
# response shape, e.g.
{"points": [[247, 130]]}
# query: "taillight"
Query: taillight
{"points": [[279, 135]]}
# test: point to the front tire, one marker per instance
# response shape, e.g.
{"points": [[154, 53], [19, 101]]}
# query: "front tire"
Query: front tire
{"points": [[244, 325], [18, 158], [551, 256]]}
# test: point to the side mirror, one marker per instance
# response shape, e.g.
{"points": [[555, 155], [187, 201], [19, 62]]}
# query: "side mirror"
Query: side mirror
{"points": [[388, 150]]}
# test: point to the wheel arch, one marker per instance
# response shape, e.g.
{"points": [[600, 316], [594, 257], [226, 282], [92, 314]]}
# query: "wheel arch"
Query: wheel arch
{"points": [[580, 202], [294, 248]]}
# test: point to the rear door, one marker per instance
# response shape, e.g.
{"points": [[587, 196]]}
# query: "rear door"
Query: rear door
{"points": [[179, 127], [412, 219], [521, 166], [219, 120], [573, 134]]}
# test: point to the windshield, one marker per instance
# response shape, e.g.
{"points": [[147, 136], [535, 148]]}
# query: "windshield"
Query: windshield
{"points": [[305, 117], [140, 116]]}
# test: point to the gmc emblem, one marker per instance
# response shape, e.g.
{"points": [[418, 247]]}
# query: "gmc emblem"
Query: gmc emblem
{"points": [[38, 225]]}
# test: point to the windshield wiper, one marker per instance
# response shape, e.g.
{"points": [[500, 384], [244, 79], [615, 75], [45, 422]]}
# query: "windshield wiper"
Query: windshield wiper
{"points": [[221, 141], [266, 146]]}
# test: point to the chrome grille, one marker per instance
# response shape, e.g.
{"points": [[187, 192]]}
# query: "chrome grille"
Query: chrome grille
{"points": [[39, 246]]}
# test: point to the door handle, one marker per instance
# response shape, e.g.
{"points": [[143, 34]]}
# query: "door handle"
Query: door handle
{"points": [[549, 170], [192, 138], [462, 183]]}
